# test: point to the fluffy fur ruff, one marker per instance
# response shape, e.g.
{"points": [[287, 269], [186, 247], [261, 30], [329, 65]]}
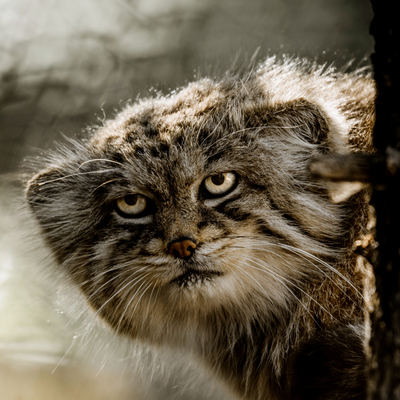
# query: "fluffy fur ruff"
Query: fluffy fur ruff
{"points": [[274, 273]]}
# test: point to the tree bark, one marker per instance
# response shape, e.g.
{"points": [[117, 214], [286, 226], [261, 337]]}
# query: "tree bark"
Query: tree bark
{"points": [[384, 372]]}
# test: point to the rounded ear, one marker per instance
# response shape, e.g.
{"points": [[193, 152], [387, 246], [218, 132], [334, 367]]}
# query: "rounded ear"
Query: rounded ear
{"points": [[58, 200], [304, 118], [51, 187], [40, 190], [44, 196], [307, 121], [298, 118]]}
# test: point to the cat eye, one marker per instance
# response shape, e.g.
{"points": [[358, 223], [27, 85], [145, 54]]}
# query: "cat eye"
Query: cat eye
{"points": [[220, 184], [131, 205]]}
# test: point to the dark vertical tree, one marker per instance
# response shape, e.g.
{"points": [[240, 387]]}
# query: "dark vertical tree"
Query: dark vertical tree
{"points": [[384, 378]]}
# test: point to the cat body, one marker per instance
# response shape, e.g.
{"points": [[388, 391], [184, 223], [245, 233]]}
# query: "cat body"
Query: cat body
{"points": [[192, 221]]}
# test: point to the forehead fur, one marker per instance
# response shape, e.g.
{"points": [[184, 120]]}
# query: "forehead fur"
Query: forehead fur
{"points": [[202, 106], [238, 102]]}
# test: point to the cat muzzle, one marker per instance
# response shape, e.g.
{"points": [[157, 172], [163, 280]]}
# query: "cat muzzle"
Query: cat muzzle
{"points": [[182, 247]]}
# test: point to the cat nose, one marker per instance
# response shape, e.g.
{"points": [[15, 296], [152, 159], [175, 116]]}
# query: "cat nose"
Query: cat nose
{"points": [[182, 247]]}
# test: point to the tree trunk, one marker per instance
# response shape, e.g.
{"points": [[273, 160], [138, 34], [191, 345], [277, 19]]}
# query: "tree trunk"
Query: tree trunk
{"points": [[384, 378]]}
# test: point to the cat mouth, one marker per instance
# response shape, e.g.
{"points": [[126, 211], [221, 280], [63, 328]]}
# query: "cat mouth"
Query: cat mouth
{"points": [[193, 277]]}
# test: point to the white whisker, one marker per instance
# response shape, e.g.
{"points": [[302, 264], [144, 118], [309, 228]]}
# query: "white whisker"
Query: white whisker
{"points": [[316, 266], [63, 357], [115, 277], [216, 126], [72, 175], [103, 184], [302, 254], [282, 278], [279, 280], [101, 159], [132, 298], [137, 303], [119, 291]]}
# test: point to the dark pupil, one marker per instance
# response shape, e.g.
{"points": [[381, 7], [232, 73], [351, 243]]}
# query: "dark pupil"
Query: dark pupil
{"points": [[131, 199], [218, 179]]}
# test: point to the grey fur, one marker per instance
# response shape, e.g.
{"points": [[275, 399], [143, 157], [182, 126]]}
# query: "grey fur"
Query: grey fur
{"points": [[274, 257]]}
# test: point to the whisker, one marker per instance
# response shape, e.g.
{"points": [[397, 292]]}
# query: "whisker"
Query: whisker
{"points": [[105, 183], [148, 303], [135, 280], [101, 369], [303, 254], [137, 303], [115, 277], [216, 126], [254, 281], [71, 175], [292, 283], [283, 283], [295, 250], [126, 264], [102, 159], [57, 292], [235, 273], [63, 357], [130, 301], [316, 266], [119, 291]]}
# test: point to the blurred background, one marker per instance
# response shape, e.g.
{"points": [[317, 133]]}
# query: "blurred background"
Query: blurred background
{"points": [[67, 64]]}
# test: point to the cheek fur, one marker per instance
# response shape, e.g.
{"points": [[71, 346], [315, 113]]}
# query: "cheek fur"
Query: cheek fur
{"points": [[273, 270]]}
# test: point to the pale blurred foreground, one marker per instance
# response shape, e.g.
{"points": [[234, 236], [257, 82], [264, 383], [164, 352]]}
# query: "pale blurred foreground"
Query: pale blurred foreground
{"points": [[42, 353]]}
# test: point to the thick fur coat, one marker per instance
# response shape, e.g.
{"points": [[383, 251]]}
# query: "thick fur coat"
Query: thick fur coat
{"points": [[266, 286]]}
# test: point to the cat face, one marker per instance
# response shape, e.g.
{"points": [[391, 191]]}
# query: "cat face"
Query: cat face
{"points": [[192, 205]]}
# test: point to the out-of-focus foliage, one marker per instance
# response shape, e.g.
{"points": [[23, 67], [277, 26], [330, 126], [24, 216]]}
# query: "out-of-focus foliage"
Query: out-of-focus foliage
{"points": [[63, 62]]}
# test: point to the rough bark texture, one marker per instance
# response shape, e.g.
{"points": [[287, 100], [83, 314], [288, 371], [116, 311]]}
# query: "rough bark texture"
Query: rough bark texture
{"points": [[385, 342]]}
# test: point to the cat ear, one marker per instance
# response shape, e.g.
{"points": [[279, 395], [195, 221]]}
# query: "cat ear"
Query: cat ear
{"points": [[42, 188], [51, 189], [59, 207], [304, 119], [326, 130], [53, 194]]}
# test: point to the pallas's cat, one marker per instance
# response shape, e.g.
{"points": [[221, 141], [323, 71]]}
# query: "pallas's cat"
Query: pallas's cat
{"points": [[192, 220]]}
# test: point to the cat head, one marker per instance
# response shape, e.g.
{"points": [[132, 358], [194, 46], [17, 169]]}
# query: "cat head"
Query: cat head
{"points": [[196, 204]]}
